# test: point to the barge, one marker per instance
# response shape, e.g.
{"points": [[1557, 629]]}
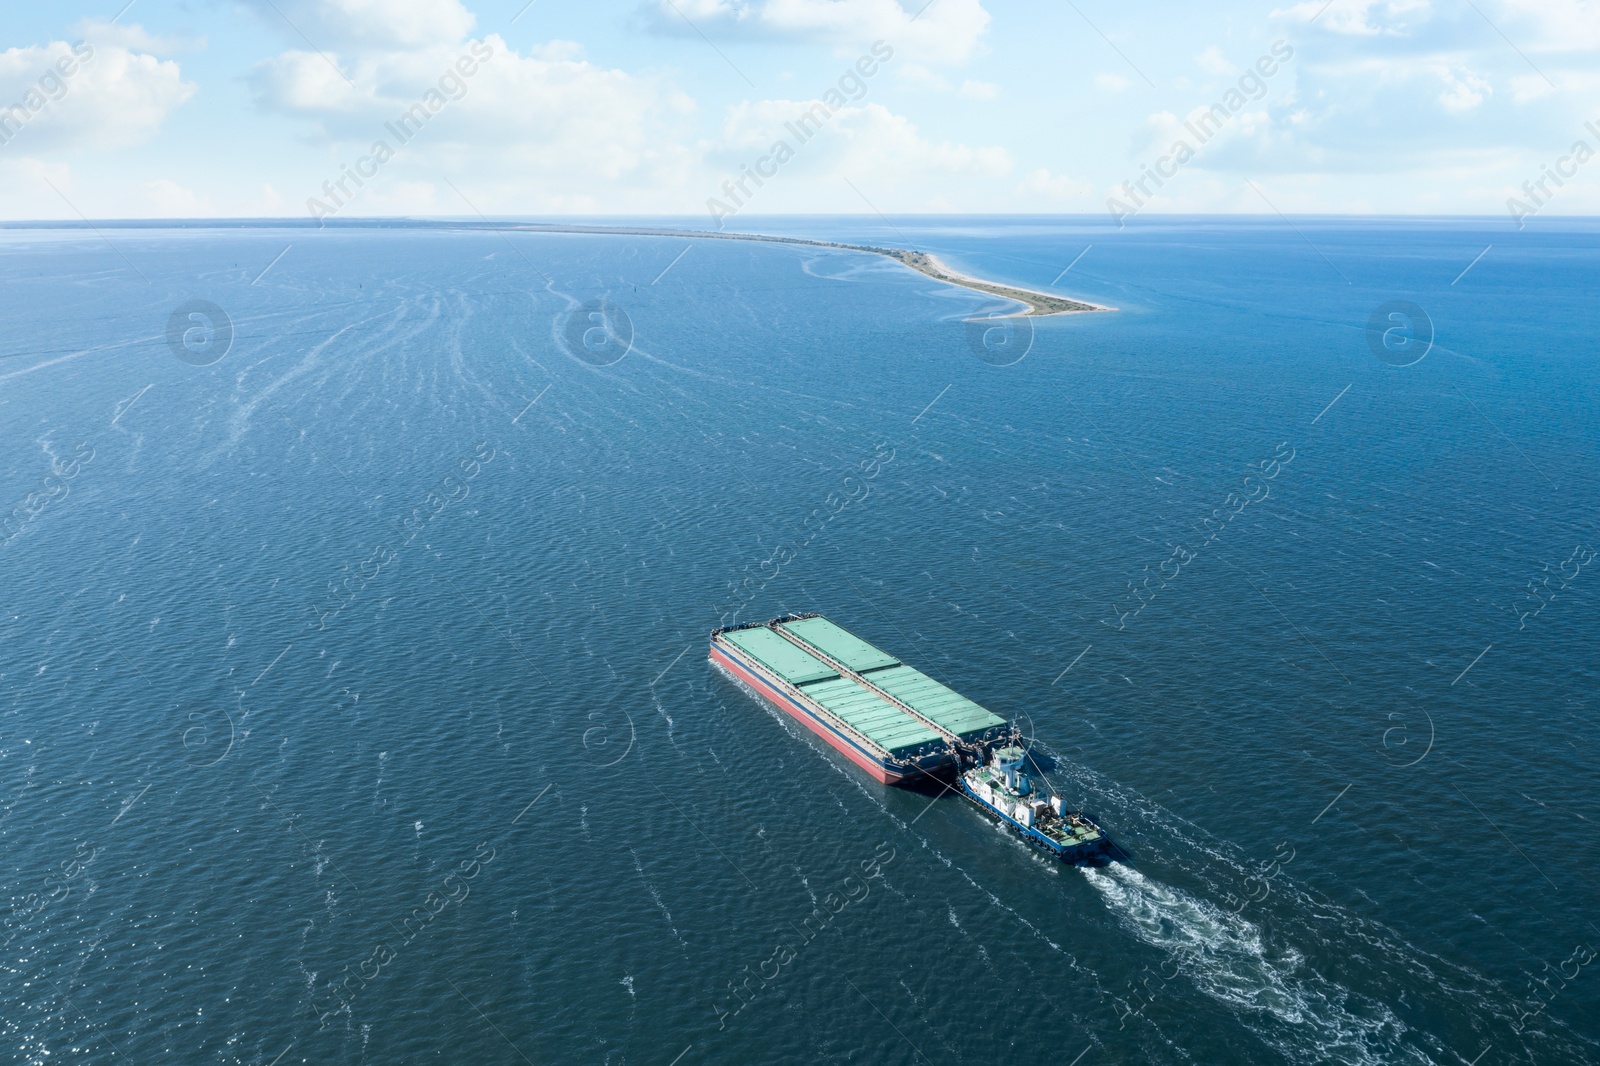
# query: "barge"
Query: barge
{"points": [[890, 719], [900, 725]]}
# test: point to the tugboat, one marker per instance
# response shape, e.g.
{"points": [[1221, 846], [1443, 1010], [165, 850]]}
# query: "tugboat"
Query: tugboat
{"points": [[1004, 790]]}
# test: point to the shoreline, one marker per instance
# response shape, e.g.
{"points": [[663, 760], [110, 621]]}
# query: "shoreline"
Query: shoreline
{"points": [[1039, 304], [1035, 304]]}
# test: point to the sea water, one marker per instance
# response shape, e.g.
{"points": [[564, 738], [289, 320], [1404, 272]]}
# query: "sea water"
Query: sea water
{"points": [[356, 584]]}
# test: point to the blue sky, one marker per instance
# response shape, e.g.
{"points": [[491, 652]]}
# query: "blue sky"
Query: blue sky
{"points": [[202, 108]]}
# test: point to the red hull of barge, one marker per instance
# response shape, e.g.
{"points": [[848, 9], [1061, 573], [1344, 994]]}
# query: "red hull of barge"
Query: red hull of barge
{"points": [[800, 714]]}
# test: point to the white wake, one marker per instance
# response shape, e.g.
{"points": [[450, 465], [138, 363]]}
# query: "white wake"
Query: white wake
{"points": [[1272, 990]]}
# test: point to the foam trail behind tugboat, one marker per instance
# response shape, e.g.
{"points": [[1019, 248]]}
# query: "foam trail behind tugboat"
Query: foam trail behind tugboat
{"points": [[1270, 988]]}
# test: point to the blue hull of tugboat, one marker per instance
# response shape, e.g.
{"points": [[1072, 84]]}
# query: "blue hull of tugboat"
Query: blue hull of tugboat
{"points": [[1066, 853]]}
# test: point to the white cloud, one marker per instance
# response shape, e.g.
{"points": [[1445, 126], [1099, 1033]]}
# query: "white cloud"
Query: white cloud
{"points": [[948, 31], [37, 189], [35, 172], [1462, 115], [134, 38], [859, 138], [307, 83], [1582, 85], [111, 98], [28, 195], [880, 152], [920, 78], [371, 23], [1212, 61], [1041, 182], [557, 50], [1360, 18], [883, 154], [890, 148], [547, 130], [572, 118], [1559, 25], [1528, 88], [168, 199], [1463, 90], [917, 76], [548, 119], [412, 198]]}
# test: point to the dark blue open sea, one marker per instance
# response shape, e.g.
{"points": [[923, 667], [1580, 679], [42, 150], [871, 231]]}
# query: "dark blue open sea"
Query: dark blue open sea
{"points": [[354, 703]]}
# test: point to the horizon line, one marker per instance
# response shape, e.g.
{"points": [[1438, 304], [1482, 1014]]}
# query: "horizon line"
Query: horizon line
{"points": [[478, 221]]}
